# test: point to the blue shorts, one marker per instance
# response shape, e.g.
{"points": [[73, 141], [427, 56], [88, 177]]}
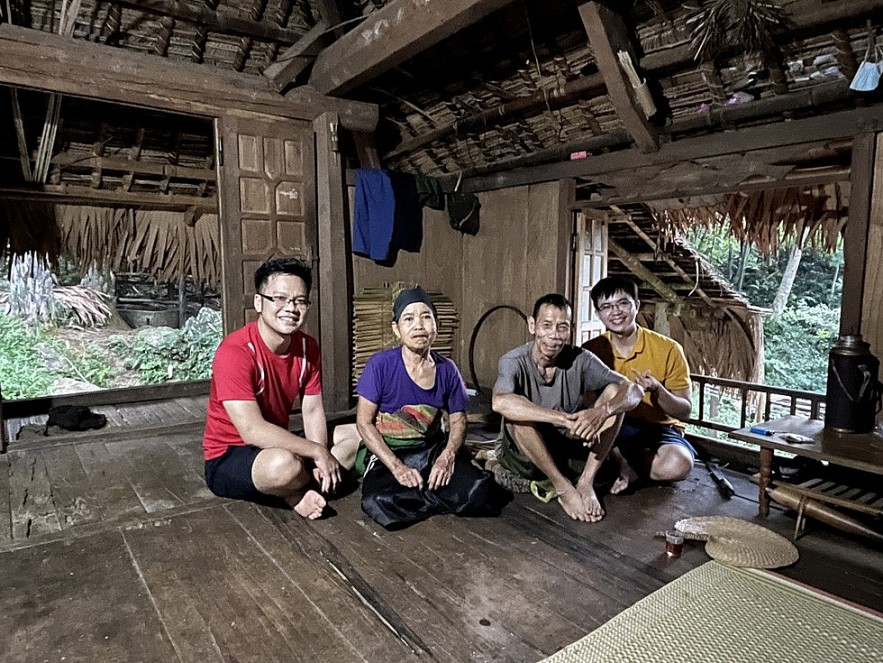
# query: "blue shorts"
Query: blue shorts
{"points": [[230, 476], [637, 436]]}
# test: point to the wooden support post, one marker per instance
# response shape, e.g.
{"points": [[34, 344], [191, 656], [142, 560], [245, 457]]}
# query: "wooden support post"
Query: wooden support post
{"points": [[855, 244], [872, 311], [335, 268], [3, 441], [366, 149]]}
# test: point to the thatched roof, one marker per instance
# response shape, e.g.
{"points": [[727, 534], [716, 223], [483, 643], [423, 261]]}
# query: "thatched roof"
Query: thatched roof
{"points": [[476, 87]]}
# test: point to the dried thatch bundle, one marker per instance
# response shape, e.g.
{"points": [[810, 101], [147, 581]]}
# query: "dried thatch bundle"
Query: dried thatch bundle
{"points": [[722, 345], [749, 25], [812, 216], [154, 242]]}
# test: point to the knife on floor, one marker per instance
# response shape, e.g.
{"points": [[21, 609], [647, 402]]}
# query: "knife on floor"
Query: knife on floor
{"points": [[724, 487]]}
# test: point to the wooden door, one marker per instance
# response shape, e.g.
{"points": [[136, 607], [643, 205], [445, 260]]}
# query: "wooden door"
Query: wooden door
{"points": [[267, 197]]}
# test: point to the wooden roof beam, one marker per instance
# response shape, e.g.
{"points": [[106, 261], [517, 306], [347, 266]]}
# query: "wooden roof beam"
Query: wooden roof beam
{"points": [[841, 124], [294, 61], [36, 59], [390, 36], [72, 195], [216, 20], [608, 36], [298, 57]]}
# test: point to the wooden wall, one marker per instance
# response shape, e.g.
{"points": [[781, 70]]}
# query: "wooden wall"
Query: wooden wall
{"points": [[519, 254]]}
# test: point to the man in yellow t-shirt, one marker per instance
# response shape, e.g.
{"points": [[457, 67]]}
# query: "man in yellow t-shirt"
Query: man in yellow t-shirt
{"points": [[651, 437]]}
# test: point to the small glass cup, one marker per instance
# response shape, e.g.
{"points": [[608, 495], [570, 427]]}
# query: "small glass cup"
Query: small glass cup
{"points": [[674, 543]]}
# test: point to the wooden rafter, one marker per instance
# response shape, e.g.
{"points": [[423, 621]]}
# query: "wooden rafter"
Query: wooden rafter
{"points": [[111, 198], [542, 99], [164, 36], [608, 36], [391, 35], [216, 20], [627, 219], [639, 270], [301, 55]]}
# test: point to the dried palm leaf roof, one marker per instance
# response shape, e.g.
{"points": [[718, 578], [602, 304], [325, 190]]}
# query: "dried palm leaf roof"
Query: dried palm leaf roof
{"points": [[814, 216]]}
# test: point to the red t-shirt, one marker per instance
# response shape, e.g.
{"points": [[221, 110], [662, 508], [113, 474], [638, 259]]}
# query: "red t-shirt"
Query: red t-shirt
{"points": [[245, 369]]}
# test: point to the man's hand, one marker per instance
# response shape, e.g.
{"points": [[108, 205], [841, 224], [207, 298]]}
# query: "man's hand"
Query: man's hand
{"points": [[407, 476], [585, 424], [327, 470], [442, 471], [646, 381]]}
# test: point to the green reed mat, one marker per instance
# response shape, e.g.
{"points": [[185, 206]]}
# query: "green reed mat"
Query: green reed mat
{"points": [[718, 613]]}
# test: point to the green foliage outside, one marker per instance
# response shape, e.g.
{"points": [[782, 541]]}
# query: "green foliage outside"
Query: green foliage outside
{"points": [[162, 354], [796, 346], [33, 358]]}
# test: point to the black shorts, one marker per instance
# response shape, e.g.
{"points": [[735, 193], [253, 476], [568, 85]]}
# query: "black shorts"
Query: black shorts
{"points": [[230, 476]]}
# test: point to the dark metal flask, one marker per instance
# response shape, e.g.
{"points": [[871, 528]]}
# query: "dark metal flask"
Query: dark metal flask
{"points": [[853, 396]]}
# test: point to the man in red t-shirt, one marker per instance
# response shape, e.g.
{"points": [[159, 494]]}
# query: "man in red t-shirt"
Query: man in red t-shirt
{"points": [[258, 373]]}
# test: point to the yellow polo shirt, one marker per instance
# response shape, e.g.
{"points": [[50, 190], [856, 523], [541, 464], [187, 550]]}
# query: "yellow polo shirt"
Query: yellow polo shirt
{"points": [[662, 356]]}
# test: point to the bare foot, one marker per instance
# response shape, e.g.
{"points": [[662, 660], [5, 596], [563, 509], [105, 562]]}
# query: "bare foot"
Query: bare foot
{"points": [[591, 503], [310, 505], [574, 506], [627, 476]]}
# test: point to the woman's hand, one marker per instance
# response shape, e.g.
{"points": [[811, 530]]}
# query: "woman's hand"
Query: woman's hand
{"points": [[407, 476], [442, 471]]}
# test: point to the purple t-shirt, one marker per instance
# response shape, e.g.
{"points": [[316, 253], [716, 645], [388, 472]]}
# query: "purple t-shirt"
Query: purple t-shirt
{"points": [[386, 383]]}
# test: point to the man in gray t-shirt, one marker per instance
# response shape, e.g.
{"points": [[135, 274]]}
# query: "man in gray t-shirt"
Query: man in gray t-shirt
{"points": [[549, 430]]}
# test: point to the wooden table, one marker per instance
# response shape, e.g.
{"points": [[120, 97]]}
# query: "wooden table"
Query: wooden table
{"points": [[860, 451]]}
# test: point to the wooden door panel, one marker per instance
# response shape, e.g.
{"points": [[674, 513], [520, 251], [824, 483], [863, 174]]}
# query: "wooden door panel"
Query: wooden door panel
{"points": [[268, 203]]}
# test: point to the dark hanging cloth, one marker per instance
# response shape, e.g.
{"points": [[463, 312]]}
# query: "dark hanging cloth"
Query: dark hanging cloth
{"points": [[430, 191], [373, 214], [75, 417], [408, 218], [471, 491], [463, 212]]}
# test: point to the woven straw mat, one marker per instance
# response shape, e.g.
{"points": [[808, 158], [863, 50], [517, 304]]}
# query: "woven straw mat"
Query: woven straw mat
{"points": [[722, 614], [740, 543]]}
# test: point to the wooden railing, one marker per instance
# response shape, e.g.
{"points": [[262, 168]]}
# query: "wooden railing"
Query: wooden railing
{"points": [[755, 402]]}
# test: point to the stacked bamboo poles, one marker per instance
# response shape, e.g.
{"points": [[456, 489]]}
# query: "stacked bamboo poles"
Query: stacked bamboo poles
{"points": [[372, 323]]}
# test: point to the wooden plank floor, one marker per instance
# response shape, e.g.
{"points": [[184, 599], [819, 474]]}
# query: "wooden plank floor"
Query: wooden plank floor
{"points": [[113, 550]]}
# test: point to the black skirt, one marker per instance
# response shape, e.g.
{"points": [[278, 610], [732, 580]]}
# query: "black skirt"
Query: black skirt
{"points": [[471, 491]]}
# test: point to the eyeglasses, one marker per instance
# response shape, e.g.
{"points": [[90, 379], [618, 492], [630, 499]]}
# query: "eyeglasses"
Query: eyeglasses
{"points": [[620, 305], [280, 301]]}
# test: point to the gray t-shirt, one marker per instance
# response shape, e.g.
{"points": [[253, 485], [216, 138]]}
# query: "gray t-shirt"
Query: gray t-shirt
{"points": [[577, 372]]}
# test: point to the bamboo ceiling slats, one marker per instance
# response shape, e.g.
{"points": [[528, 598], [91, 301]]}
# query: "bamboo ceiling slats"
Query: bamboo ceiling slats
{"points": [[372, 323]]}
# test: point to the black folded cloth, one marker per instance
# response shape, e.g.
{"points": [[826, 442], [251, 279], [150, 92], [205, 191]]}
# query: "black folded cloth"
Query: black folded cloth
{"points": [[75, 417]]}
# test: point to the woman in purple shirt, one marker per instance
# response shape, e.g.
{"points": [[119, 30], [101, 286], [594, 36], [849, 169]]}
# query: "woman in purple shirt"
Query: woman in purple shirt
{"points": [[411, 419]]}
